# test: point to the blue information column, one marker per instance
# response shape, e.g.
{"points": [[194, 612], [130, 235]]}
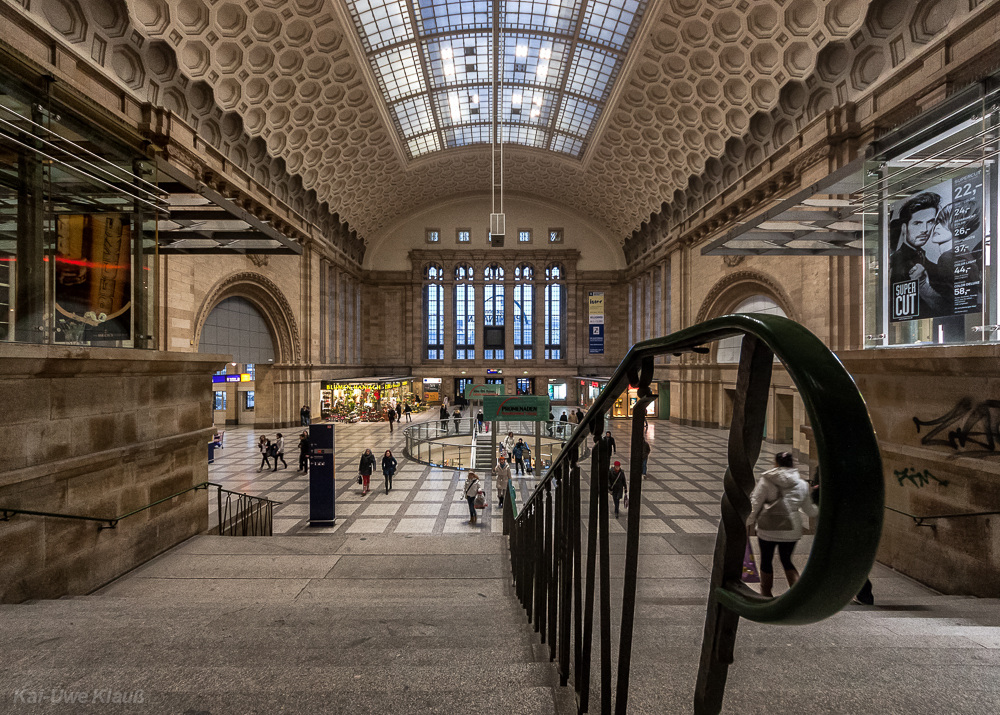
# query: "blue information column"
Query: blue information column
{"points": [[321, 475]]}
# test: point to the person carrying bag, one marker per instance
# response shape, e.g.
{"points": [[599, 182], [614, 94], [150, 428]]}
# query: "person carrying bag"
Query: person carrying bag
{"points": [[471, 491]]}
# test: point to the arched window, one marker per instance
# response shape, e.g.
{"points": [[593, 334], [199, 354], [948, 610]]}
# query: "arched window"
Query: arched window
{"points": [[524, 311], [728, 349], [493, 322], [465, 313], [555, 309], [434, 310]]}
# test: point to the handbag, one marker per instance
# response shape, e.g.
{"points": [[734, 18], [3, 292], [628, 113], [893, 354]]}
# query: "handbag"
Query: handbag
{"points": [[359, 479], [750, 572], [625, 501], [775, 517], [480, 502]]}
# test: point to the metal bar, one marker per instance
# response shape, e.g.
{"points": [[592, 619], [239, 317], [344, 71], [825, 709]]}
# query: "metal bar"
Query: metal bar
{"points": [[600, 446], [544, 562], [566, 584], [604, 535], [919, 519], [552, 564], [645, 396], [746, 433], [577, 581]]}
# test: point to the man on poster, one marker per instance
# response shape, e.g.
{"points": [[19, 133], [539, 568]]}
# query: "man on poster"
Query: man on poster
{"points": [[921, 288]]}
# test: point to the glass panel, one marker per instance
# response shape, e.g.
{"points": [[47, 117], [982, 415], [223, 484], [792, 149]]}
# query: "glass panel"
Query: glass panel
{"points": [[381, 22]]}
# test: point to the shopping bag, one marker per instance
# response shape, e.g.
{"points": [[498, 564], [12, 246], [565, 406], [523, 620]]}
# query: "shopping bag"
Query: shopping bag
{"points": [[625, 501], [480, 501], [750, 573]]}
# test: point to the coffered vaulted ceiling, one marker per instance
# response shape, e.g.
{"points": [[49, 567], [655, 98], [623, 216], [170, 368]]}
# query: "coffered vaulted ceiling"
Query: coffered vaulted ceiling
{"points": [[699, 74]]}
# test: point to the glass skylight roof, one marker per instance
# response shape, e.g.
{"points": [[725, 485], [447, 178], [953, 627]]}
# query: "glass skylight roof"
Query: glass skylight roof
{"points": [[435, 59]]}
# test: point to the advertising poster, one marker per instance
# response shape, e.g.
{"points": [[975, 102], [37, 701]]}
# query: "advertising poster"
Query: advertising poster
{"points": [[93, 278], [936, 250], [595, 323]]}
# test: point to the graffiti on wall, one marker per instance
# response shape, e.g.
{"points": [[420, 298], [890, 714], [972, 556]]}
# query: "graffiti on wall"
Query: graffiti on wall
{"points": [[969, 428], [917, 479]]}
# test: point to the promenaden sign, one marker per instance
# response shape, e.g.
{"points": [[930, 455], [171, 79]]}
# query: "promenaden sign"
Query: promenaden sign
{"points": [[473, 392], [531, 408]]}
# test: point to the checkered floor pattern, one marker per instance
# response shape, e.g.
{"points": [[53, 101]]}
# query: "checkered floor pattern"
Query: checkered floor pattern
{"points": [[680, 494]]}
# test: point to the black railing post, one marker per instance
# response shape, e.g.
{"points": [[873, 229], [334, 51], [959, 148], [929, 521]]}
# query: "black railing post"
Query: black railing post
{"points": [[746, 432], [598, 459], [544, 564], [645, 396], [605, 546], [552, 564], [566, 570], [577, 580]]}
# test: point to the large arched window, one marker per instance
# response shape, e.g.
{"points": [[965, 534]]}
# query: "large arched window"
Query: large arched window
{"points": [[465, 313], [434, 312], [555, 308], [524, 311], [728, 349], [493, 323]]}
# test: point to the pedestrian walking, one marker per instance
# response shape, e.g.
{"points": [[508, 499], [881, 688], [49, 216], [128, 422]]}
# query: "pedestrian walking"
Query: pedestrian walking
{"points": [[579, 416], [775, 505], [388, 469], [304, 415], [617, 484], [408, 410], [457, 417], [304, 446], [519, 452], [507, 446], [611, 442], [470, 490], [563, 422], [443, 416], [479, 420], [399, 413], [645, 455], [390, 414], [264, 447], [279, 453], [501, 475], [365, 469]]}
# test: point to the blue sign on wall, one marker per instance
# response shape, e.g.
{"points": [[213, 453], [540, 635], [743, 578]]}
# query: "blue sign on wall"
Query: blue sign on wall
{"points": [[596, 339]]}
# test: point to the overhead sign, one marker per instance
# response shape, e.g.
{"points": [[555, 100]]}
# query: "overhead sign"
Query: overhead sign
{"points": [[530, 408], [236, 377], [473, 392], [595, 307]]}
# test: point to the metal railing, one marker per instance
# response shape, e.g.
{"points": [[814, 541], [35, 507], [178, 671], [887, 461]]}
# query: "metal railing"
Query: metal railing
{"points": [[921, 520], [558, 591], [249, 516], [425, 442]]}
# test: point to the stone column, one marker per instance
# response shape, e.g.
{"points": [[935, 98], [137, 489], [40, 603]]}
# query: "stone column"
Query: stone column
{"points": [[450, 322]]}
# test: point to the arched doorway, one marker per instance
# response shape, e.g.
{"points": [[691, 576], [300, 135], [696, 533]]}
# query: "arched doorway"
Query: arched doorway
{"points": [[236, 327]]}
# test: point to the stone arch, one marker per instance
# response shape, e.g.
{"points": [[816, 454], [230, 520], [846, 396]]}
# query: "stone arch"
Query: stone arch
{"points": [[732, 289], [267, 297]]}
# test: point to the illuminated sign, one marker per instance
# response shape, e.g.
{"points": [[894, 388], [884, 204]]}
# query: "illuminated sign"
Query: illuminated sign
{"points": [[494, 372], [526, 407], [241, 377]]}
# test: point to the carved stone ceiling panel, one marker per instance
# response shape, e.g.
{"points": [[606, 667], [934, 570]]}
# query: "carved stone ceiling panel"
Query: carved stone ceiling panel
{"points": [[694, 79]]}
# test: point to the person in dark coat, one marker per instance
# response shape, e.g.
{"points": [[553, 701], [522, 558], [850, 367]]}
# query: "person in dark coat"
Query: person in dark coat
{"points": [[457, 417], [409, 412], [611, 442], [304, 446], [443, 415], [617, 484], [365, 469], [388, 469], [399, 413], [390, 414]]}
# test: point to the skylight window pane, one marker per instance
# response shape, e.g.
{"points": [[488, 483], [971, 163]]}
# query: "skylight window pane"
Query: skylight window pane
{"points": [[612, 22], [567, 144], [423, 144], [398, 72], [548, 15], [592, 73], [463, 136], [577, 116], [529, 136], [527, 105], [468, 105], [459, 59], [534, 60], [381, 22], [414, 116], [434, 16]]}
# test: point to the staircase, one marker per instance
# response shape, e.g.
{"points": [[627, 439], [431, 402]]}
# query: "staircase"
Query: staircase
{"points": [[484, 453], [325, 623]]}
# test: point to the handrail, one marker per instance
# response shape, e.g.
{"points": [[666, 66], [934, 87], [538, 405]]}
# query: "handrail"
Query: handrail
{"points": [[921, 519], [112, 522], [545, 541]]}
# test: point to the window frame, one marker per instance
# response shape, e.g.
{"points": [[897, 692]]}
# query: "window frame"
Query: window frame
{"points": [[559, 232], [521, 232], [458, 236], [435, 232]]}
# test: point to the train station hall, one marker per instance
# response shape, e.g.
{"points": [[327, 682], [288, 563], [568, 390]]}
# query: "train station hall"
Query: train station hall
{"points": [[534, 357]]}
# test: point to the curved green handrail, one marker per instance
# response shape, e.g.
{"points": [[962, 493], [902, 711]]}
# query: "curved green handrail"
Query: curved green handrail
{"points": [[850, 516]]}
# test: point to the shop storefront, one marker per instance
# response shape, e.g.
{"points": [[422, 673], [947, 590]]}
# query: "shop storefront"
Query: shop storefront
{"points": [[363, 400], [623, 406], [588, 388]]}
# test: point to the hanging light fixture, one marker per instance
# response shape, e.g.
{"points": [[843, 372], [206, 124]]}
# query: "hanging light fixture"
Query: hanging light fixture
{"points": [[497, 217]]}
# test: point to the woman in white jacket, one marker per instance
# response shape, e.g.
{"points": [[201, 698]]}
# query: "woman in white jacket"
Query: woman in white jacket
{"points": [[775, 504]]}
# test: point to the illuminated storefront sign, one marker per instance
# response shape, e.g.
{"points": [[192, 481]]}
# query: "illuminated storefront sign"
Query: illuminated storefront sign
{"points": [[241, 377]]}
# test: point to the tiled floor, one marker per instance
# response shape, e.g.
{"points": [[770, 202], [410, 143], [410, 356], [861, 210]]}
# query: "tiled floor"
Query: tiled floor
{"points": [[681, 494]]}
